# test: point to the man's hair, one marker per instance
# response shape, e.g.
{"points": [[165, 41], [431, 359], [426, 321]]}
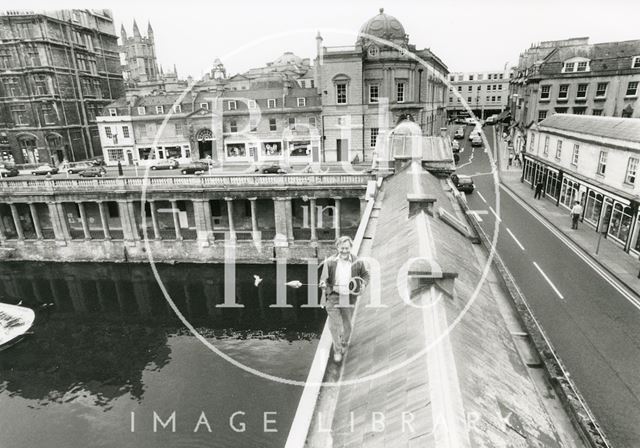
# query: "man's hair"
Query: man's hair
{"points": [[344, 239]]}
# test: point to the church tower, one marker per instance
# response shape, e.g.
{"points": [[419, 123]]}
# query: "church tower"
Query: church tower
{"points": [[139, 55]]}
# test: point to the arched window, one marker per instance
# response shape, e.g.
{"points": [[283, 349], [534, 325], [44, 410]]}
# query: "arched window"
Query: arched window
{"points": [[204, 135], [27, 145]]}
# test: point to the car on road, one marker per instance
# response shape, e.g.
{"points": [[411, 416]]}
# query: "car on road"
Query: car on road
{"points": [[476, 140], [164, 164], [94, 171], [75, 168], [474, 133], [491, 120], [455, 146], [459, 133], [470, 121], [460, 120], [195, 168], [272, 169], [8, 171], [463, 183], [44, 169]]}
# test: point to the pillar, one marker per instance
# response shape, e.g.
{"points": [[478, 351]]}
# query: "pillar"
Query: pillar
{"points": [[202, 213], [36, 220], [16, 221], [83, 220], [280, 218], [104, 220], [128, 220], [232, 229], [254, 220], [289, 216], [313, 213], [176, 219], [336, 217], [3, 231], [59, 221], [154, 220]]}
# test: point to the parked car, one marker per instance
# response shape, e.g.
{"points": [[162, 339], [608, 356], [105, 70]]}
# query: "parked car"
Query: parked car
{"points": [[272, 169], [459, 133], [473, 134], [455, 146], [75, 168], [463, 183], [195, 168], [476, 141], [44, 169], [460, 120], [94, 171], [9, 171], [164, 164], [470, 121]]}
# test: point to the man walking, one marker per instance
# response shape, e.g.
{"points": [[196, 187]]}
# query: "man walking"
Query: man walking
{"points": [[539, 188], [342, 280], [576, 212]]}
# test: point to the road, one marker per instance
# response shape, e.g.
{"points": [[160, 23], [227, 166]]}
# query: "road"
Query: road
{"points": [[594, 327]]}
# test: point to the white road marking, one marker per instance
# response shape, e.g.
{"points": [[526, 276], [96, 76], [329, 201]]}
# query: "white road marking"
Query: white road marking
{"points": [[495, 214], [631, 298], [548, 280], [481, 197], [515, 239], [477, 213]]}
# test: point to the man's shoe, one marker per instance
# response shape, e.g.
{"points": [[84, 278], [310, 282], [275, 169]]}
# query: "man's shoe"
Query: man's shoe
{"points": [[337, 357]]}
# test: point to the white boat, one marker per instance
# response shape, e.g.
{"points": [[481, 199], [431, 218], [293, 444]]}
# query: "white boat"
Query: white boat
{"points": [[15, 321]]}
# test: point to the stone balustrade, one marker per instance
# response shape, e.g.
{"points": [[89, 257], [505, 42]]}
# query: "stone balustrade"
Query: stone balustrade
{"points": [[222, 182]]}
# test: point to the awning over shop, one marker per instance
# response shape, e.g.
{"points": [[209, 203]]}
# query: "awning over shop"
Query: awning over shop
{"points": [[504, 115]]}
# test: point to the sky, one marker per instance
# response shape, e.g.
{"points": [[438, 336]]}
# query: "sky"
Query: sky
{"points": [[481, 35]]}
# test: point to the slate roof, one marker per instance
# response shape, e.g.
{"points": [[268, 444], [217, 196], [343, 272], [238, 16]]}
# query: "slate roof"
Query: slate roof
{"points": [[627, 129], [604, 57]]}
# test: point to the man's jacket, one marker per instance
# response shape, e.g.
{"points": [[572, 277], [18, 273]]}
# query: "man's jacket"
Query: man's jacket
{"points": [[359, 274]]}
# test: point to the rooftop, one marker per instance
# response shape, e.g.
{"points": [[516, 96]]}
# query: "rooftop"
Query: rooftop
{"points": [[626, 129]]}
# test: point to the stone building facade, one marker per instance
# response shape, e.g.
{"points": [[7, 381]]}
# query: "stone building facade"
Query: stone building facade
{"points": [[291, 110], [370, 87], [594, 160], [58, 69], [573, 76], [485, 93]]}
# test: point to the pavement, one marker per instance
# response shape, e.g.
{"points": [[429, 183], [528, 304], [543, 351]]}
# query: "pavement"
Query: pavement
{"points": [[620, 264]]}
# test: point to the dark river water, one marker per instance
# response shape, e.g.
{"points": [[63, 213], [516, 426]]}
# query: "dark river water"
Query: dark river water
{"points": [[109, 357]]}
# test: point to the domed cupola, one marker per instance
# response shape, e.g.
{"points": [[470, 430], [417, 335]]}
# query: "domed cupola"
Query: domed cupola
{"points": [[385, 27]]}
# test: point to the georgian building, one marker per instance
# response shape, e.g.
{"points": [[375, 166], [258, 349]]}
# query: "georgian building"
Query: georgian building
{"points": [[594, 160], [58, 69], [368, 88], [261, 116], [485, 93], [575, 77]]}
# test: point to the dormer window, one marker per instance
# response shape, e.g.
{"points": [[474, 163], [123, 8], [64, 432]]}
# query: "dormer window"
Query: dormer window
{"points": [[302, 102], [635, 62], [232, 105], [576, 65], [141, 110], [177, 109], [251, 104], [113, 112], [204, 106], [271, 103], [159, 109]]}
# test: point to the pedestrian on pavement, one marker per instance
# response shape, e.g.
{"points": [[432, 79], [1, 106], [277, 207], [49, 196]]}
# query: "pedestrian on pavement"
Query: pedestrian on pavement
{"points": [[576, 212], [511, 157], [539, 188], [120, 172], [343, 278]]}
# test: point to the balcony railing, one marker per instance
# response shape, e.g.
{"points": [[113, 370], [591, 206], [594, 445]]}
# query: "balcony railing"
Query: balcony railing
{"points": [[220, 182]]}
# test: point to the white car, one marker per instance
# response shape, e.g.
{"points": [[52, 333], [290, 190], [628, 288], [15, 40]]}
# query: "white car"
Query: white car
{"points": [[459, 133], [470, 120], [476, 141]]}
